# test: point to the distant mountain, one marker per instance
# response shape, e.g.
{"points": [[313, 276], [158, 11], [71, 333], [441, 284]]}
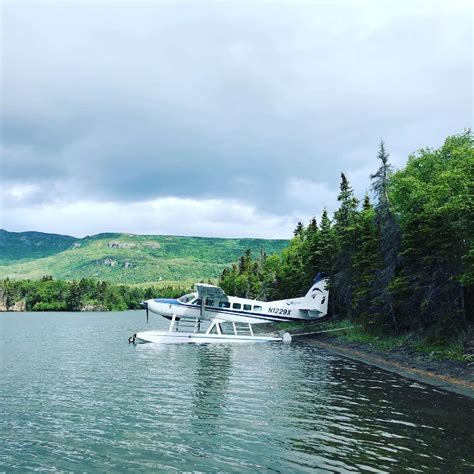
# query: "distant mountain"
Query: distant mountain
{"points": [[16, 246], [122, 258]]}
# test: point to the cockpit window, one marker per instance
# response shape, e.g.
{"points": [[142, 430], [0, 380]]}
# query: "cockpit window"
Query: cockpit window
{"points": [[187, 298]]}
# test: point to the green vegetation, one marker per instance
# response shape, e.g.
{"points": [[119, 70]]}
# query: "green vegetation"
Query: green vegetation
{"points": [[400, 268], [422, 344], [16, 246], [56, 295], [122, 258]]}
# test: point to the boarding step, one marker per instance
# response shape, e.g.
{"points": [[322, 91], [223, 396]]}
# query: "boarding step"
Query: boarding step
{"points": [[187, 323], [242, 329], [184, 324]]}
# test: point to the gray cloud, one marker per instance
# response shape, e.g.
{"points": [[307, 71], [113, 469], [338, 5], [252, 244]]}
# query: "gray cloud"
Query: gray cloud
{"points": [[130, 102]]}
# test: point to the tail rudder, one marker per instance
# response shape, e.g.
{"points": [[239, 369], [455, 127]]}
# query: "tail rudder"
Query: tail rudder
{"points": [[318, 294]]}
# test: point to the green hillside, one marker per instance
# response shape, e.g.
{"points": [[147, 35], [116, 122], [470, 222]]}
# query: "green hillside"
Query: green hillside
{"points": [[122, 258], [16, 246]]}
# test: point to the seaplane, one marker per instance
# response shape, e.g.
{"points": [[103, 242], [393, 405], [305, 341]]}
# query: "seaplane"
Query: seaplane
{"points": [[208, 315]]}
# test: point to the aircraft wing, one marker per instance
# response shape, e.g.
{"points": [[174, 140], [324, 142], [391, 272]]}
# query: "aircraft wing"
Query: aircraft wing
{"points": [[210, 291]]}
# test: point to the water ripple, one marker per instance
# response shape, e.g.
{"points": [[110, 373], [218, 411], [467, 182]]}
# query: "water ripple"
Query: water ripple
{"points": [[71, 401]]}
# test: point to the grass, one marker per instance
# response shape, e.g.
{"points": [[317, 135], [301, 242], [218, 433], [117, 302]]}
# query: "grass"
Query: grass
{"points": [[435, 349], [452, 350], [421, 344], [383, 343]]}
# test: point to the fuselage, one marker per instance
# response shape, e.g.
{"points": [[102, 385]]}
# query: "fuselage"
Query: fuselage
{"points": [[234, 309]]}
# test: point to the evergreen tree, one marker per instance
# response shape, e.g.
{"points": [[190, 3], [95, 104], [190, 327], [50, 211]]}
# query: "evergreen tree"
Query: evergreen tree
{"points": [[365, 266], [299, 229], [74, 299], [10, 293], [311, 251], [345, 217], [389, 239], [327, 245], [290, 276]]}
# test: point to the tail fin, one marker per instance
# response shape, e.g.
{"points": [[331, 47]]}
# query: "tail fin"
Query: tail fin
{"points": [[318, 294]]}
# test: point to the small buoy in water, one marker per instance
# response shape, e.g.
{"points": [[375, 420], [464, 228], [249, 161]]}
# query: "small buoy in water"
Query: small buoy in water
{"points": [[285, 336]]}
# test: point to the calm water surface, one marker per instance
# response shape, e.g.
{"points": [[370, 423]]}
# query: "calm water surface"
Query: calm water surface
{"points": [[76, 396]]}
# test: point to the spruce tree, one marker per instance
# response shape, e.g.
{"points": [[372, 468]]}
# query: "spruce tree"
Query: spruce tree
{"points": [[345, 230], [365, 266], [74, 298], [389, 238], [327, 244], [299, 229], [311, 251]]}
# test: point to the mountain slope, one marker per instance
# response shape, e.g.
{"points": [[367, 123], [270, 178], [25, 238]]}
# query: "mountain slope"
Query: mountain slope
{"points": [[29, 245], [124, 258]]}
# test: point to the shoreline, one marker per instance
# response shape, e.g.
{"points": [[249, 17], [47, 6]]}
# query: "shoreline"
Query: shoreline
{"points": [[452, 376]]}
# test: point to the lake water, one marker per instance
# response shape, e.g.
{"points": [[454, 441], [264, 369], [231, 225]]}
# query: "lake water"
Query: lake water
{"points": [[76, 396]]}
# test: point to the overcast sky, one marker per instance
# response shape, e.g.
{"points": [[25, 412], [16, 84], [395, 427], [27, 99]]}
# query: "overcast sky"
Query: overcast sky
{"points": [[217, 118]]}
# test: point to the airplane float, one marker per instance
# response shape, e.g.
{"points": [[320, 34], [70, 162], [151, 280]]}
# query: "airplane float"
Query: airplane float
{"points": [[208, 315]]}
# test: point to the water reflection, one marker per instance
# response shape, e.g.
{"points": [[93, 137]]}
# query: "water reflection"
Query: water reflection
{"points": [[213, 369]]}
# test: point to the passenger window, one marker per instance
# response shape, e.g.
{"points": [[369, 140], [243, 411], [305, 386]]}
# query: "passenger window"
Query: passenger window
{"points": [[247, 307], [236, 305], [224, 304], [257, 308], [198, 302], [209, 302]]}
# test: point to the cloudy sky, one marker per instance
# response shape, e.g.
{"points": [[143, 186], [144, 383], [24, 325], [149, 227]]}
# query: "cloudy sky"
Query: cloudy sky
{"points": [[217, 118]]}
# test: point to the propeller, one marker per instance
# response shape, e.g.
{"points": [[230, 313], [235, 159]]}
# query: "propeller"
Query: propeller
{"points": [[145, 304]]}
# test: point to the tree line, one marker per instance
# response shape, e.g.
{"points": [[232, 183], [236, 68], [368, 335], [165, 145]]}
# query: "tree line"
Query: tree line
{"points": [[48, 294], [401, 261]]}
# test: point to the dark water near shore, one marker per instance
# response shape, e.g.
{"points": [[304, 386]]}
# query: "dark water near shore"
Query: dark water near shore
{"points": [[75, 396]]}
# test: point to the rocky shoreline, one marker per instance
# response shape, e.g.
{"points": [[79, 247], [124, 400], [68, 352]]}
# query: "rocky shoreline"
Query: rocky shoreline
{"points": [[453, 376], [18, 306]]}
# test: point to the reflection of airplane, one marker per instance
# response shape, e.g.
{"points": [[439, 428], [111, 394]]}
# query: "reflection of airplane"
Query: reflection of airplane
{"points": [[230, 318]]}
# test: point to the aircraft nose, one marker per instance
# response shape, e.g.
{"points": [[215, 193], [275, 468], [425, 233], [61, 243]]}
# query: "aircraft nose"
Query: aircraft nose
{"points": [[161, 305]]}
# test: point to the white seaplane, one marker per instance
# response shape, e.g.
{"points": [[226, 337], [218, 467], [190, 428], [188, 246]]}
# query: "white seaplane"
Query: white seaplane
{"points": [[208, 315]]}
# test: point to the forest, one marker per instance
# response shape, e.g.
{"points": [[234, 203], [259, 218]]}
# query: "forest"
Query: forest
{"points": [[399, 261], [86, 294]]}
